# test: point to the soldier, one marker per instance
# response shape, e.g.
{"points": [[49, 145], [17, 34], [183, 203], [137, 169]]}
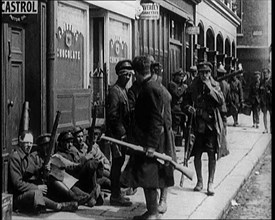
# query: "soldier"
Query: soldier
{"points": [[266, 97], [96, 154], [84, 168], [177, 89], [61, 185], [117, 122], [206, 96], [168, 147], [146, 172], [193, 72], [225, 88], [26, 183]]}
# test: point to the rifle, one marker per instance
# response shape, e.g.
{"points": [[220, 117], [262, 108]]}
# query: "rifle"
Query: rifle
{"points": [[227, 76], [25, 118], [189, 141], [184, 170], [91, 131], [52, 141]]}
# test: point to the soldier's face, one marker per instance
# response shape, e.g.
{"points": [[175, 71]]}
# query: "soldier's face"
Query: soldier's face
{"points": [[26, 143], [205, 74], [67, 144], [125, 76], [79, 137]]}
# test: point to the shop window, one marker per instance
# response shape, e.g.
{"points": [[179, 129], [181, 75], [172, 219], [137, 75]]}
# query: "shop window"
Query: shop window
{"points": [[175, 30]]}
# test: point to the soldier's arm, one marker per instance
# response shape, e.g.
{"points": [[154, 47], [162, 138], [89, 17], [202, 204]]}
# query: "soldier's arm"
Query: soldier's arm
{"points": [[113, 112]]}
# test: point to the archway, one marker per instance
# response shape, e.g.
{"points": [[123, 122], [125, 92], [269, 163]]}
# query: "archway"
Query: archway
{"points": [[210, 41], [219, 43], [227, 47]]}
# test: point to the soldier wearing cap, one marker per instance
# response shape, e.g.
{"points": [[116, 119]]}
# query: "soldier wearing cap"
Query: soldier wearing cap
{"points": [[205, 98], [177, 89], [117, 123], [192, 74], [254, 98], [93, 153], [225, 87], [30, 193], [61, 185], [81, 167]]}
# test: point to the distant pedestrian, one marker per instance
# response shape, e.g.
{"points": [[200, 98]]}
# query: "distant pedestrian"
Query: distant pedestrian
{"points": [[266, 97], [254, 98], [236, 94]]}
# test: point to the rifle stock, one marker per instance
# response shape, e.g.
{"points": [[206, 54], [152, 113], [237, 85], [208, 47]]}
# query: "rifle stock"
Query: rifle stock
{"points": [[184, 170]]}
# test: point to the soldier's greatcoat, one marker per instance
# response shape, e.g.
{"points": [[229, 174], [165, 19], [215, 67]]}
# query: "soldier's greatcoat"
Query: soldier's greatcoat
{"points": [[150, 131], [24, 178]]}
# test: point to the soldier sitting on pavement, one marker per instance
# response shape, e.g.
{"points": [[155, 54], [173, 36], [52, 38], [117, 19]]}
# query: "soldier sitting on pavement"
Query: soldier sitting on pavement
{"points": [[26, 182], [61, 185], [85, 170], [103, 179]]}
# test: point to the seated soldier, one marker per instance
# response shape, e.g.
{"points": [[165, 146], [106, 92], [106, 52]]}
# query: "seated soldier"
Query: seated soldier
{"points": [[26, 183], [61, 185], [94, 152], [85, 168]]}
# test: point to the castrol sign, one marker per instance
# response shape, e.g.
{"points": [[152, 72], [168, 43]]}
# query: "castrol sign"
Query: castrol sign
{"points": [[19, 7]]}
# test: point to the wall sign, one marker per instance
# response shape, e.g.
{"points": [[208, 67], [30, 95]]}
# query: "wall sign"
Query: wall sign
{"points": [[19, 7], [150, 11], [193, 30], [70, 57]]}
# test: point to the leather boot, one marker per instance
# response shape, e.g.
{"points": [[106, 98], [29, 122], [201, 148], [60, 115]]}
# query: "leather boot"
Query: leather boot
{"points": [[197, 163], [69, 206], [151, 197], [211, 172], [162, 207]]}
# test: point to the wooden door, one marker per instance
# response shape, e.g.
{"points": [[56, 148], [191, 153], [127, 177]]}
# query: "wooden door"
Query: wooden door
{"points": [[15, 81]]}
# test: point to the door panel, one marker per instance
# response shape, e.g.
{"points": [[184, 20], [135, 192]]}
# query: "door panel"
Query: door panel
{"points": [[15, 83]]}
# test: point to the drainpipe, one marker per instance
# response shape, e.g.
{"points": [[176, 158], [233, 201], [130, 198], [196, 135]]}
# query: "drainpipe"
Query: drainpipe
{"points": [[50, 63]]}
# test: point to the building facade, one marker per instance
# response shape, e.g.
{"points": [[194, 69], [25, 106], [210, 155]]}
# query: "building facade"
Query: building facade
{"points": [[254, 35]]}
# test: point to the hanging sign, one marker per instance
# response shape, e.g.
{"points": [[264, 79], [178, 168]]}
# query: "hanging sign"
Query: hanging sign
{"points": [[194, 30], [19, 7], [150, 11]]}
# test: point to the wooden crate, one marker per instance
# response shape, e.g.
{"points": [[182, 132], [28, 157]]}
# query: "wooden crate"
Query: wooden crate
{"points": [[6, 206]]}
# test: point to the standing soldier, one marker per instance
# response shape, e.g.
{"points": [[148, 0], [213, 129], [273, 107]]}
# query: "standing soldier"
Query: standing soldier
{"points": [[177, 89], [26, 182], [193, 72], [206, 96], [146, 171], [118, 119]]}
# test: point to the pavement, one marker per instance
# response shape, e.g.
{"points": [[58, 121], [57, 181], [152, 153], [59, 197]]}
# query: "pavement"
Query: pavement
{"points": [[246, 146]]}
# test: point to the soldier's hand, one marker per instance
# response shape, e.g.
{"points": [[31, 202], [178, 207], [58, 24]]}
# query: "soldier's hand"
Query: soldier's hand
{"points": [[191, 109], [150, 152], [43, 188], [48, 166]]}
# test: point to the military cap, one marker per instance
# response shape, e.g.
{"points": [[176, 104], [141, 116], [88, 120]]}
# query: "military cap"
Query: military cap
{"points": [[221, 69], [204, 66], [123, 65], [43, 139], [193, 68], [65, 135], [77, 130], [178, 72], [256, 73]]}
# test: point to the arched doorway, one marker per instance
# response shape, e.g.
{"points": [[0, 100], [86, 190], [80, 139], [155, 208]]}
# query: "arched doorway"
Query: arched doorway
{"points": [[227, 47], [233, 49], [201, 35], [210, 41], [219, 43]]}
